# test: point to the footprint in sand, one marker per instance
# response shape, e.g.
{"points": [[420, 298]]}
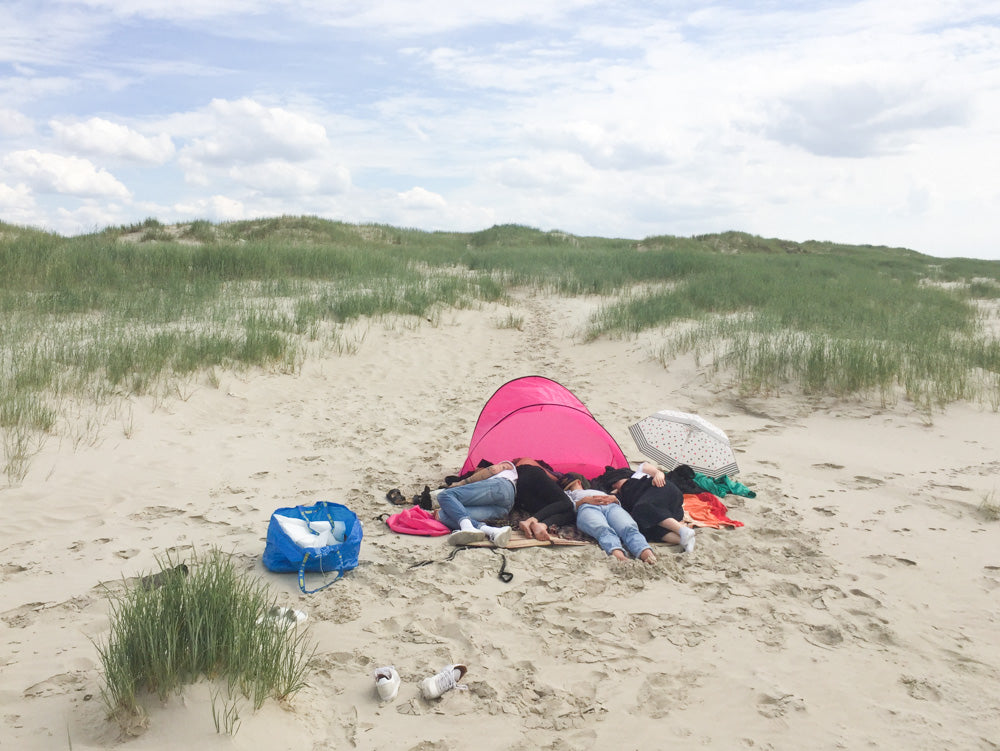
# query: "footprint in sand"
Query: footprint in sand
{"points": [[862, 482], [155, 512], [23, 616], [63, 683], [824, 636], [662, 692], [889, 560], [920, 689], [774, 706]]}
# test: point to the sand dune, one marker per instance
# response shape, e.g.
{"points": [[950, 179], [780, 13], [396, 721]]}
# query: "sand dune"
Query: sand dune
{"points": [[857, 608]]}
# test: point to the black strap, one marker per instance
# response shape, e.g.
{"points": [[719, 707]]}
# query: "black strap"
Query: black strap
{"points": [[504, 575]]}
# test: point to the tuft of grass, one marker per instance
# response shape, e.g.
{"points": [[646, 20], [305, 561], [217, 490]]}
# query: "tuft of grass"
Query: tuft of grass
{"points": [[174, 628], [511, 322], [990, 507]]}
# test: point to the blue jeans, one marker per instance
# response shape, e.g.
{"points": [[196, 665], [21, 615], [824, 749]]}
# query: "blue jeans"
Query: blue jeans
{"points": [[611, 525], [480, 501]]}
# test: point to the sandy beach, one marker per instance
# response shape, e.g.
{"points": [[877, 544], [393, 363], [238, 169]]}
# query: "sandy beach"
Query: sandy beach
{"points": [[859, 606]]}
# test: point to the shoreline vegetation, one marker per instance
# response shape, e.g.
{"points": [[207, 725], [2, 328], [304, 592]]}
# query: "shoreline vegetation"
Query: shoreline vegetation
{"points": [[137, 310]]}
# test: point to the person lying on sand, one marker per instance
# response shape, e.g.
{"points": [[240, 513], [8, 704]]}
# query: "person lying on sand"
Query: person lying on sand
{"points": [[656, 504], [601, 516], [467, 506], [537, 493]]}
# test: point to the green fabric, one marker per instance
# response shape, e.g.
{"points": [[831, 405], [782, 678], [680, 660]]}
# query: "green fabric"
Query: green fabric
{"points": [[720, 486]]}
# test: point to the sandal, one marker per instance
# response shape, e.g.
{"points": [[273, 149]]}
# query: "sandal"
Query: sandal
{"points": [[396, 498]]}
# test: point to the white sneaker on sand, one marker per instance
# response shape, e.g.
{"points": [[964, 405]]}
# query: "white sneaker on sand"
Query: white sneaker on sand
{"points": [[501, 538], [284, 617], [687, 538], [437, 684], [386, 682], [466, 536]]}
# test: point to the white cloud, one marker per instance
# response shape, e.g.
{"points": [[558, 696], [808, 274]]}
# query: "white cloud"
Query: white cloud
{"points": [[215, 208], [861, 119], [418, 17], [105, 138], [244, 131], [69, 175], [178, 9], [606, 146], [13, 123], [555, 173], [420, 198], [91, 217], [285, 179], [16, 197]]}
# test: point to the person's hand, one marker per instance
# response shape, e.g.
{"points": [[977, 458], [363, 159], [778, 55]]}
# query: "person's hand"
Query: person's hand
{"points": [[599, 500], [659, 479]]}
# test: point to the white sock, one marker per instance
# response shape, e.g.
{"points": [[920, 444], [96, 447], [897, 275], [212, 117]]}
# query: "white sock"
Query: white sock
{"points": [[491, 532], [467, 525]]}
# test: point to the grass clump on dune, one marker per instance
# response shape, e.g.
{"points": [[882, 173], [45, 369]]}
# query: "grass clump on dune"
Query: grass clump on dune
{"points": [[211, 623]]}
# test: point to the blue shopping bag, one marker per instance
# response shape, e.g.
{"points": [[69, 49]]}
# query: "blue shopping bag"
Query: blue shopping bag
{"points": [[283, 555]]}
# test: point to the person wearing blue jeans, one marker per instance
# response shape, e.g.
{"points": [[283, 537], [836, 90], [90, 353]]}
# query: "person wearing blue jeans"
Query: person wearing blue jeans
{"points": [[602, 517], [465, 508]]}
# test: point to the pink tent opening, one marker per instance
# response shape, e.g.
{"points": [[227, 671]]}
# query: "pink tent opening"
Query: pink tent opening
{"points": [[538, 418]]}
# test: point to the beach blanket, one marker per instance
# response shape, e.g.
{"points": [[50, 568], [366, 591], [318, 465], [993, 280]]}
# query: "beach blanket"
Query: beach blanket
{"points": [[518, 540]]}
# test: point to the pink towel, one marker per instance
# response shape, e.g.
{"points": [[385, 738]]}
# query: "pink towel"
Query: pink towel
{"points": [[416, 521]]}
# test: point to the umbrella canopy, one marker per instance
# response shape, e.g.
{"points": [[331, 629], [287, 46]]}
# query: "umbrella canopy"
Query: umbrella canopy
{"points": [[674, 438]]}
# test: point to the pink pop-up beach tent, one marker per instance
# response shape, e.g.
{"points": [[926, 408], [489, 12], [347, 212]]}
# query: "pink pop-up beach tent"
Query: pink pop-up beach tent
{"points": [[538, 418]]}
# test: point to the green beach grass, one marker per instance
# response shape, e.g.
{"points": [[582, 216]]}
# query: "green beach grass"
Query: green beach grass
{"points": [[135, 310], [212, 623]]}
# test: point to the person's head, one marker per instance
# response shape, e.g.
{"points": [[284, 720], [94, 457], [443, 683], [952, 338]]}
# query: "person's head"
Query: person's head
{"points": [[574, 481]]}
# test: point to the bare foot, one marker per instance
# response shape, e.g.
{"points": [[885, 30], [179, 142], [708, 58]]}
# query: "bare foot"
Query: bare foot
{"points": [[525, 526], [540, 532], [619, 555], [647, 556]]}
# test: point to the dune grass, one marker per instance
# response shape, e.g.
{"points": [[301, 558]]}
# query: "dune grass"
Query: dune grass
{"points": [[835, 324], [130, 310], [211, 623]]}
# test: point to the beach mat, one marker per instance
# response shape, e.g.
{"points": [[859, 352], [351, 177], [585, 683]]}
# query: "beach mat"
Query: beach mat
{"points": [[518, 540]]}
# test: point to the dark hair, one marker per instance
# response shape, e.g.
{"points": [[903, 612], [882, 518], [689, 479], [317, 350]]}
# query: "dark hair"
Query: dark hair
{"points": [[609, 477], [569, 477]]}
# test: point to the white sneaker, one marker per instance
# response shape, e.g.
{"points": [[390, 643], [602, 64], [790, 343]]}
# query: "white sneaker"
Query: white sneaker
{"points": [[466, 536], [501, 538], [687, 538], [447, 679], [284, 617], [386, 682]]}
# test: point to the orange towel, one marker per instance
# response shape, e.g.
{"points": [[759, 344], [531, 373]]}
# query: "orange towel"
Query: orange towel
{"points": [[706, 510]]}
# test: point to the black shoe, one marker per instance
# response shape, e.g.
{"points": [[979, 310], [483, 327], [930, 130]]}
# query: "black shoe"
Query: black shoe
{"points": [[424, 500]]}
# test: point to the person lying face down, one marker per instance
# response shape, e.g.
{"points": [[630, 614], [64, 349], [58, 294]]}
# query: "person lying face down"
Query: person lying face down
{"points": [[601, 516]]}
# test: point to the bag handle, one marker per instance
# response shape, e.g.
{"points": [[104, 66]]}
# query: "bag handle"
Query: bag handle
{"points": [[302, 567], [302, 576]]}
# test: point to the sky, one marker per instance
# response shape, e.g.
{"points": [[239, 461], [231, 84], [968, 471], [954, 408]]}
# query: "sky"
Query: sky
{"points": [[870, 122]]}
